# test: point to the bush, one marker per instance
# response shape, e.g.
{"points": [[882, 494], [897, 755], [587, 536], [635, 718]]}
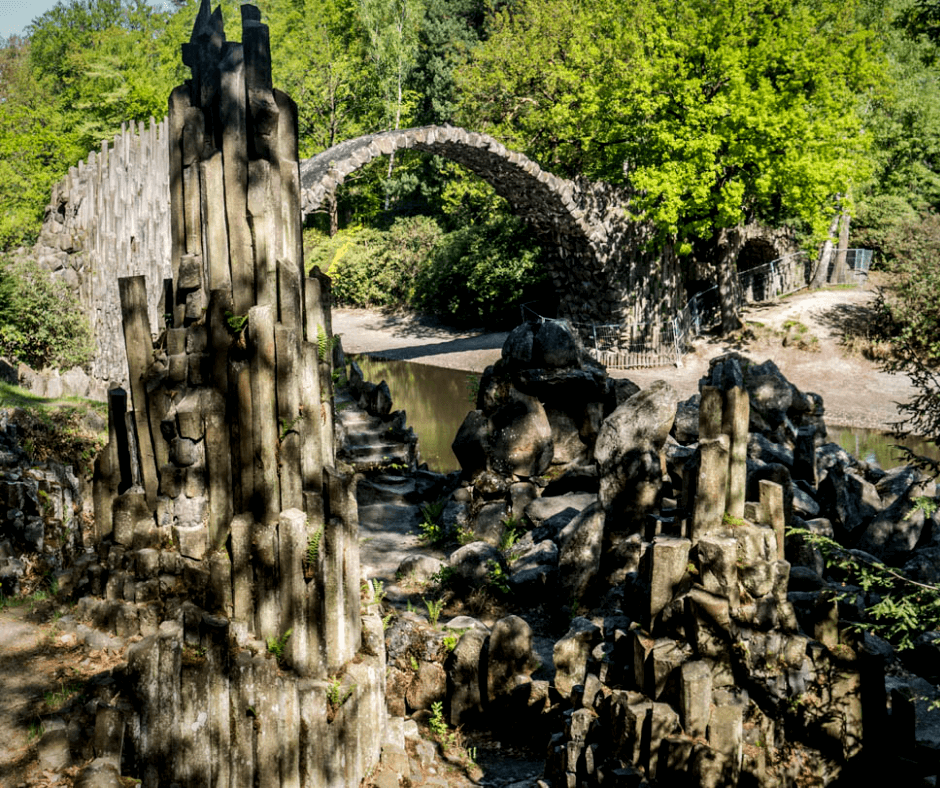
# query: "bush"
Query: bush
{"points": [[476, 275], [373, 268], [909, 319], [480, 274], [41, 320]]}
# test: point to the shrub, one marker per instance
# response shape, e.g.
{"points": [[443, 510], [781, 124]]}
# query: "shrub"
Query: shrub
{"points": [[480, 274], [41, 320], [373, 268], [475, 275]]}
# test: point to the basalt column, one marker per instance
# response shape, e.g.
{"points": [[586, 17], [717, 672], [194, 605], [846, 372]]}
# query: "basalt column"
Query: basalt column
{"points": [[237, 532]]}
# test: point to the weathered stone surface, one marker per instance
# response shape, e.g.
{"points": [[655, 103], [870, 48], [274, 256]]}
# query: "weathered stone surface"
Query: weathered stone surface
{"points": [[509, 655], [628, 451], [464, 679], [521, 438], [419, 567], [473, 562], [571, 654], [848, 500], [579, 554], [469, 445]]}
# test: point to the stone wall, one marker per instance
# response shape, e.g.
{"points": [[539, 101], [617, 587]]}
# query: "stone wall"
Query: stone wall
{"points": [[110, 217]]}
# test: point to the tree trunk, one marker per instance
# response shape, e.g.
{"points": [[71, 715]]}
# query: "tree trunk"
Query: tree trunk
{"points": [[727, 290], [331, 206], [838, 274]]}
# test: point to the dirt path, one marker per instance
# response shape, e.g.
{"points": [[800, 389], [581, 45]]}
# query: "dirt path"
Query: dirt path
{"points": [[855, 392]]}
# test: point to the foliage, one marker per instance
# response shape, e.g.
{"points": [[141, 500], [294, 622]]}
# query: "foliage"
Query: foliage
{"points": [[41, 323], [434, 606], [372, 268], [476, 274], [513, 530], [313, 546], [913, 256], [236, 323], [438, 725], [497, 578], [479, 274], [276, 644], [433, 531], [902, 116], [336, 696], [714, 113], [903, 608]]}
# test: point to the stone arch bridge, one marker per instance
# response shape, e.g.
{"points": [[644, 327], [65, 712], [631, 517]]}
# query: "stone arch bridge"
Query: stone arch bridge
{"points": [[600, 268]]}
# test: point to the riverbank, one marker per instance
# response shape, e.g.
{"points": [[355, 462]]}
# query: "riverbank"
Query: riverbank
{"points": [[855, 391]]}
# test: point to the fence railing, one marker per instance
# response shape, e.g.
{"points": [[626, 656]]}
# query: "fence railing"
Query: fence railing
{"points": [[662, 343]]}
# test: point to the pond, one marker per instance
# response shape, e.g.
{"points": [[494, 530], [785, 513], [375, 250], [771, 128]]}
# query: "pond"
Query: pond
{"points": [[437, 400], [880, 447]]}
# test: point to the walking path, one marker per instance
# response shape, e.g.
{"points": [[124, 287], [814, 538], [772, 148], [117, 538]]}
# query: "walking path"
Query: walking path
{"points": [[855, 391]]}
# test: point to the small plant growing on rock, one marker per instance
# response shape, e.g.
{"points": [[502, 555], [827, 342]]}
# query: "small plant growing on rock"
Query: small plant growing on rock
{"points": [[497, 578], [438, 725], [276, 645], [313, 546], [434, 606], [514, 530], [906, 607], [336, 696], [236, 323], [432, 530]]}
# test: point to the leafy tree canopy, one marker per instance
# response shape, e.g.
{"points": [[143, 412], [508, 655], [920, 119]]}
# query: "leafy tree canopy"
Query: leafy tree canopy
{"points": [[715, 113]]}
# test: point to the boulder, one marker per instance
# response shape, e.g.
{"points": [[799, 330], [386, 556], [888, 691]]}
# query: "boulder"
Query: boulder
{"points": [[628, 454], [579, 554], [848, 501], [473, 562], [571, 654], [521, 440], [894, 531], [510, 655], [470, 443]]}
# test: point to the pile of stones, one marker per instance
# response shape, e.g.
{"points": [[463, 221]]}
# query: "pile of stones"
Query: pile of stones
{"points": [[669, 629]]}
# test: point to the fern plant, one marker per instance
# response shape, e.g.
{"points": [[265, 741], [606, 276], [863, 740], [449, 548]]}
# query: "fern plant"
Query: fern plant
{"points": [[276, 645]]}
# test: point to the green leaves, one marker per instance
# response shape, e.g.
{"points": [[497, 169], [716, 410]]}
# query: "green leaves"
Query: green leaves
{"points": [[900, 608], [41, 322], [715, 113]]}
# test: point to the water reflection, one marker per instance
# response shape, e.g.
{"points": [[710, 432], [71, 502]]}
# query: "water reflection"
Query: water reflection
{"points": [[880, 447], [437, 401]]}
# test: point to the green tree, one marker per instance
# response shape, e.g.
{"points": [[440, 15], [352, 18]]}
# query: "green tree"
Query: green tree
{"points": [[716, 114], [903, 119], [41, 321]]}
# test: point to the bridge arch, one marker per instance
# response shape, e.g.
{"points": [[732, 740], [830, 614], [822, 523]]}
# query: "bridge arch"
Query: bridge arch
{"points": [[540, 198], [604, 269]]}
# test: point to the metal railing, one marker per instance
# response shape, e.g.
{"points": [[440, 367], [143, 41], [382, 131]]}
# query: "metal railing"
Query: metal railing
{"points": [[655, 344]]}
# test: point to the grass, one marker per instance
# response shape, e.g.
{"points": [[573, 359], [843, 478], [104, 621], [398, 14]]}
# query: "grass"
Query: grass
{"points": [[55, 428], [55, 699]]}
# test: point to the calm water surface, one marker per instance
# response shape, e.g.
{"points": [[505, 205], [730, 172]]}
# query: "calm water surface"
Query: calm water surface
{"points": [[437, 401]]}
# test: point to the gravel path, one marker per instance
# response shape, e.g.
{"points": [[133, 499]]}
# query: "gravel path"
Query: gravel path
{"points": [[855, 392]]}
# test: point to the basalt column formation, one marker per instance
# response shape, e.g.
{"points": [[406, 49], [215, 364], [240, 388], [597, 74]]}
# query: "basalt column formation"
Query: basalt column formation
{"points": [[228, 533]]}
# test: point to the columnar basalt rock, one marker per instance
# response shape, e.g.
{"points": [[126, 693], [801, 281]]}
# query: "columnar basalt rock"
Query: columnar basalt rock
{"points": [[107, 218], [218, 486]]}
